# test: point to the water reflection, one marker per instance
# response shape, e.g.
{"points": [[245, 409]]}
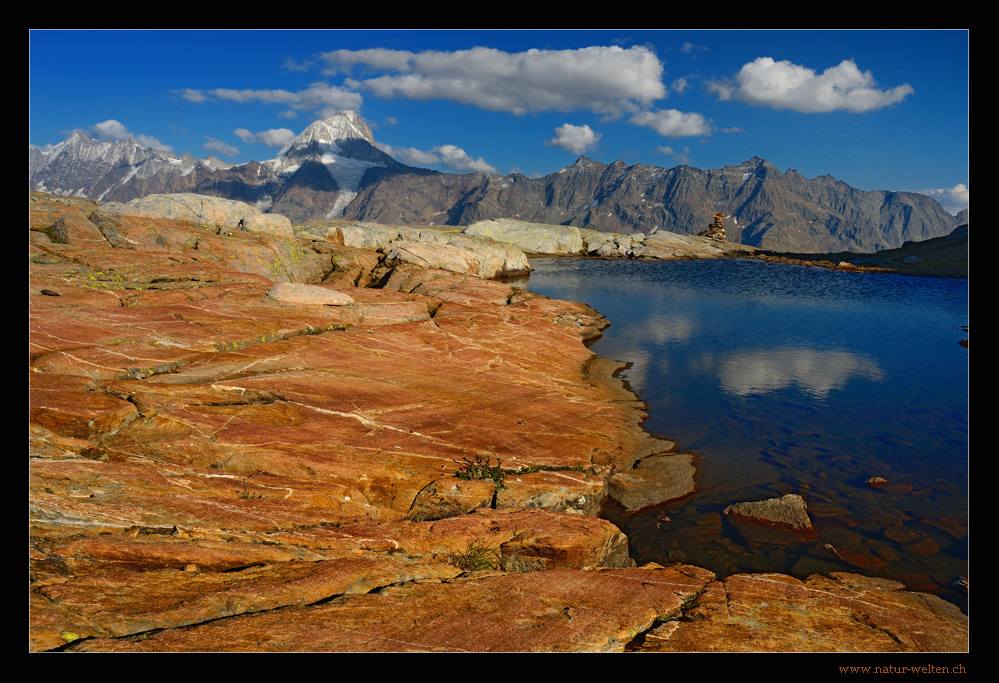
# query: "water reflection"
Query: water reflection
{"points": [[794, 380], [814, 371]]}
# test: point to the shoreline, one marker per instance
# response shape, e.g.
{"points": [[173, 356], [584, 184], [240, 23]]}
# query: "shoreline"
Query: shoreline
{"points": [[259, 474], [947, 590]]}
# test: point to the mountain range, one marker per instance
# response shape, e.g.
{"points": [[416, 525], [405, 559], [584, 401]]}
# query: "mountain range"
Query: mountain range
{"points": [[334, 169]]}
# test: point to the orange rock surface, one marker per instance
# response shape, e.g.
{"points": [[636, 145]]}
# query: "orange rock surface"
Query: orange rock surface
{"points": [[204, 455]]}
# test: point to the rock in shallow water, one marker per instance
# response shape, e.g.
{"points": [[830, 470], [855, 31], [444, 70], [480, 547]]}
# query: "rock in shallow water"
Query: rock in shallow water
{"points": [[786, 511], [655, 480]]}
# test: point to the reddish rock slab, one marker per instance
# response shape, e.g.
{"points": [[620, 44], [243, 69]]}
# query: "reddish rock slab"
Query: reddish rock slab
{"points": [[565, 491], [120, 603], [69, 405], [205, 459], [552, 611], [130, 580], [839, 613]]}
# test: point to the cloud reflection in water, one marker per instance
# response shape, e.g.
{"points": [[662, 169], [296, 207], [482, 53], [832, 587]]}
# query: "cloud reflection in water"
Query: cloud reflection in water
{"points": [[816, 372]]}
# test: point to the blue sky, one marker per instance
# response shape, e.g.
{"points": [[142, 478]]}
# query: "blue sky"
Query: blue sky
{"points": [[880, 110]]}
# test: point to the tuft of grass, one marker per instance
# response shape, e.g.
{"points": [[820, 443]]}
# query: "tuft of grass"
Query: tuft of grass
{"points": [[335, 327], [479, 468], [246, 495], [477, 556]]}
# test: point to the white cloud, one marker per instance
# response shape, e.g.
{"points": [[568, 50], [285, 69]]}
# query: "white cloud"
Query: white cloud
{"points": [[678, 157], [219, 147], [456, 159], [192, 95], [953, 199], [114, 130], [783, 85], [672, 123], [292, 65], [321, 98], [450, 156], [248, 95], [574, 139], [110, 130], [342, 61], [608, 80], [689, 48], [410, 155], [275, 137]]}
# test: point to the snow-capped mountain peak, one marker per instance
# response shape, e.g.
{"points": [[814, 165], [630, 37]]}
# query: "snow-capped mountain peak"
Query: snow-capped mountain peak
{"points": [[328, 132]]}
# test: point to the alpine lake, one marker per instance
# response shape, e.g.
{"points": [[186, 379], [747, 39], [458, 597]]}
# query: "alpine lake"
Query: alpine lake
{"points": [[790, 379]]}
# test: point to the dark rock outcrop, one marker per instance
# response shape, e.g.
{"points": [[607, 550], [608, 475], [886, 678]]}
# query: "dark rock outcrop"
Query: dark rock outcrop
{"points": [[945, 256]]}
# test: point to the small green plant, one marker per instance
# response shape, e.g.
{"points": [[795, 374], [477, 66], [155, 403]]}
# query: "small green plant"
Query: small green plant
{"points": [[245, 494], [335, 327], [477, 555], [479, 468]]}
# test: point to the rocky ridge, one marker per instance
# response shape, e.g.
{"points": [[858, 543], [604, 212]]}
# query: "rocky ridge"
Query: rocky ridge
{"points": [[334, 170], [84, 167], [766, 208], [249, 440]]}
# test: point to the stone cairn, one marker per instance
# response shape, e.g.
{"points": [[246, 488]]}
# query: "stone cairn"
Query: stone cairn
{"points": [[716, 230]]}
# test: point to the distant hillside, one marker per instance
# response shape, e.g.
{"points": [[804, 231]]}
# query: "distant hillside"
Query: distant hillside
{"points": [[938, 257], [763, 207], [334, 170]]}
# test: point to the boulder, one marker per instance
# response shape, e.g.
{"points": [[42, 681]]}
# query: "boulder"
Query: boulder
{"points": [[433, 248], [566, 491], [308, 295], [533, 238], [668, 245], [370, 236], [787, 511], [498, 258], [658, 245], [212, 212], [431, 255]]}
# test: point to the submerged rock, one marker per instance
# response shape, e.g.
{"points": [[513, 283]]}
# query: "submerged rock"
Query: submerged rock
{"points": [[655, 480], [788, 511]]}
